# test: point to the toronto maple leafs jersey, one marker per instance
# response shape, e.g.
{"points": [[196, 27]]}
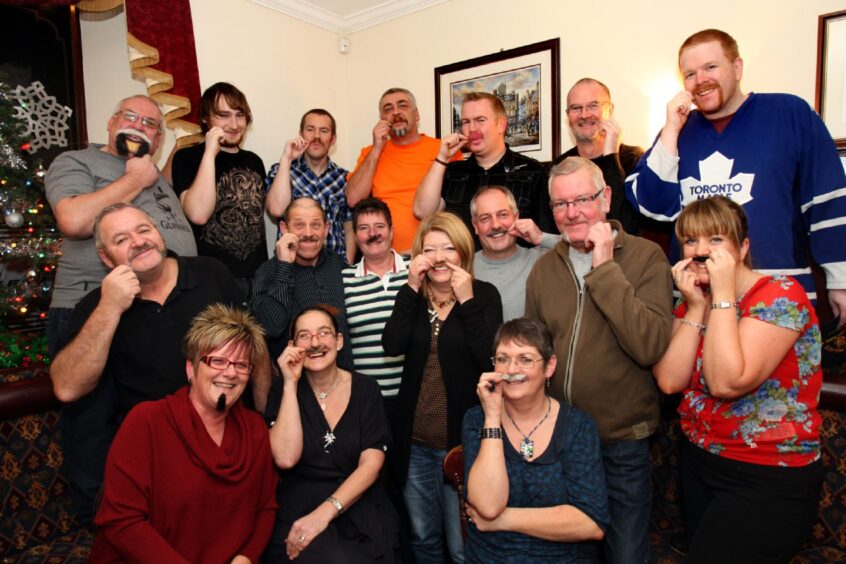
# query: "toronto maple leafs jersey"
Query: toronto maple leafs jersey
{"points": [[775, 158]]}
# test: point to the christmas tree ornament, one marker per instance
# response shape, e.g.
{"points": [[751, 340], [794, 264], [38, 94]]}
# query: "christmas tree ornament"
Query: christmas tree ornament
{"points": [[14, 219]]}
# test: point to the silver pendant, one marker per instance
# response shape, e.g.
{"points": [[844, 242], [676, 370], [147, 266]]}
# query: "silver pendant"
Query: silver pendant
{"points": [[527, 448], [328, 439]]}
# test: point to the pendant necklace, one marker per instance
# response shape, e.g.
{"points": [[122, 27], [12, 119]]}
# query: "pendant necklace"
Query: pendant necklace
{"points": [[321, 396], [433, 311], [328, 439], [527, 446]]}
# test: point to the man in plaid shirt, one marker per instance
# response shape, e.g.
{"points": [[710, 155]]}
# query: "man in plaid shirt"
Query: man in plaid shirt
{"points": [[305, 170]]}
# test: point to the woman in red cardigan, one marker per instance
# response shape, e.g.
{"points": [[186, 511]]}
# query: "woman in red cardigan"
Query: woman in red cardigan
{"points": [[190, 477]]}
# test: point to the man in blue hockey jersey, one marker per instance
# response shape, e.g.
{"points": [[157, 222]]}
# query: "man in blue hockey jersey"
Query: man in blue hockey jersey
{"points": [[771, 153]]}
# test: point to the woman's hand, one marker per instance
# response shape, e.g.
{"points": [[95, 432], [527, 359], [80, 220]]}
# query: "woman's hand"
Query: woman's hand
{"points": [[241, 559], [722, 269], [291, 363], [482, 524], [417, 270], [688, 284], [462, 283], [306, 528], [489, 391]]}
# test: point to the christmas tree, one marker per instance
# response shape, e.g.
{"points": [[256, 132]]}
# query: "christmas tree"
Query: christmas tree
{"points": [[29, 242]]}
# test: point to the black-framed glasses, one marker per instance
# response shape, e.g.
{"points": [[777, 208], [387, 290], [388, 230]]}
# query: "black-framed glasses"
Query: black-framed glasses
{"points": [[524, 362], [132, 117], [561, 206], [220, 363]]}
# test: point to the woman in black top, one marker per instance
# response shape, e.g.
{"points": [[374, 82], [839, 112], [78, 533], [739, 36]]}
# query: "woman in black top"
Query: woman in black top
{"points": [[443, 322]]}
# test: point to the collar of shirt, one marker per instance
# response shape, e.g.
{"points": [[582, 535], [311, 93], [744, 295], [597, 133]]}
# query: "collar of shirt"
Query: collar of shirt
{"points": [[399, 266]]}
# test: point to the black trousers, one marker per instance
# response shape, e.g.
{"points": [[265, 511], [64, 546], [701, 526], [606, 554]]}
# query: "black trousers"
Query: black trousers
{"points": [[746, 513]]}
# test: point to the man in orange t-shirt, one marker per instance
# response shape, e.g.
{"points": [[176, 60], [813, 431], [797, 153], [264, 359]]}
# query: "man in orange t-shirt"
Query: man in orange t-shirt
{"points": [[391, 168]]}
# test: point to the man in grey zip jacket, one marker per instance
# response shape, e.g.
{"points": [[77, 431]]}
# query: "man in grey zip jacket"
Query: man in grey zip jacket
{"points": [[607, 298]]}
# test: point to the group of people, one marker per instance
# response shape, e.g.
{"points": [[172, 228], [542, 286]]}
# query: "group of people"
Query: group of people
{"points": [[497, 303]]}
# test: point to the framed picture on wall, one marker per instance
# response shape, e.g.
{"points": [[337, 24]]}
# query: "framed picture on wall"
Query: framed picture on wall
{"points": [[831, 74], [526, 79]]}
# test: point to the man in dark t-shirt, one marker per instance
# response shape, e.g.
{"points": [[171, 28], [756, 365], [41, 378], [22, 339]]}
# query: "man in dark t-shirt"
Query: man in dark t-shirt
{"points": [[221, 186], [126, 339], [590, 113]]}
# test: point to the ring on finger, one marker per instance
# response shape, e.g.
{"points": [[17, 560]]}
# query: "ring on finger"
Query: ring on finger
{"points": [[301, 539]]}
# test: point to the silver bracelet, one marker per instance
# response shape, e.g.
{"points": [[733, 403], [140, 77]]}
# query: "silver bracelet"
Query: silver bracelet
{"points": [[723, 305], [695, 325], [336, 504]]}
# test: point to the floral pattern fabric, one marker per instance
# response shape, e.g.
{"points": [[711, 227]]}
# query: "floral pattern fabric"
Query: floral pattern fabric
{"points": [[777, 423]]}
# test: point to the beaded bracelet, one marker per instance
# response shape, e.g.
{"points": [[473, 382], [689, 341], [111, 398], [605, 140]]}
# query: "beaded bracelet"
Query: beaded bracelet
{"points": [[490, 433], [700, 326], [723, 305]]}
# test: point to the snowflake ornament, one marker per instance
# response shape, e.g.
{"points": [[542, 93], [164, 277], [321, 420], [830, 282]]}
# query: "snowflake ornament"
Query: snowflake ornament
{"points": [[46, 119]]}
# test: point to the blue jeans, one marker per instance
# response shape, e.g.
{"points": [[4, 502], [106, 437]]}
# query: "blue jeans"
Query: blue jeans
{"points": [[432, 506], [628, 479]]}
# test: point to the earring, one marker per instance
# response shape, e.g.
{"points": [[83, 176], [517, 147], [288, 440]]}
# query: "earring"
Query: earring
{"points": [[548, 382]]}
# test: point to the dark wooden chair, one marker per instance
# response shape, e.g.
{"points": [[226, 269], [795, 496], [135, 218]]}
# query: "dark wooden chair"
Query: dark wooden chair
{"points": [[454, 471]]}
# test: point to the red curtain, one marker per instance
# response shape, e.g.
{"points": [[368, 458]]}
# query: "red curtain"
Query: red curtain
{"points": [[162, 53]]}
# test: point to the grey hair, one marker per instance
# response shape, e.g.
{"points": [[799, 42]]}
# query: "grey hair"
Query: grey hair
{"points": [[108, 210], [397, 90], [158, 107], [571, 165], [512, 203]]}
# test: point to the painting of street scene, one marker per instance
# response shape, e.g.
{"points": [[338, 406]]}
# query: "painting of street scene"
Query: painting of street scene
{"points": [[519, 90]]}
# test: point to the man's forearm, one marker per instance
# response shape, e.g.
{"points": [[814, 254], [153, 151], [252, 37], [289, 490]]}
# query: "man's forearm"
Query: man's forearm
{"points": [[279, 194], [349, 241], [261, 382], [199, 200], [427, 200], [360, 183], [75, 215], [78, 367]]}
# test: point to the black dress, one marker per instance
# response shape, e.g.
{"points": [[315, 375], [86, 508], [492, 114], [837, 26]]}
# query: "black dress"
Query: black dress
{"points": [[368, 530]]}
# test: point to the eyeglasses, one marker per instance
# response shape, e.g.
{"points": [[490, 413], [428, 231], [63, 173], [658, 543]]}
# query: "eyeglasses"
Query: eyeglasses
{"points": [[525, 362], [322, 334], [132, 117], [576, 109], [561, 206], [220, 363]]}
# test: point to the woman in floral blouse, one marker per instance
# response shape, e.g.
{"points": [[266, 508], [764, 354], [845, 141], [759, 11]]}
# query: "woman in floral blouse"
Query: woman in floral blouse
{"points": [[745, 352]]}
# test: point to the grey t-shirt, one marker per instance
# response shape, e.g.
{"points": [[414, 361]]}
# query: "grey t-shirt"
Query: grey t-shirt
{"points": [[82, 172], [509, 275]]}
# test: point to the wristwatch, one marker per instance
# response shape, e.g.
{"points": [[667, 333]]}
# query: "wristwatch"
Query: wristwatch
{"points": [[723, 305], [336, 504]]}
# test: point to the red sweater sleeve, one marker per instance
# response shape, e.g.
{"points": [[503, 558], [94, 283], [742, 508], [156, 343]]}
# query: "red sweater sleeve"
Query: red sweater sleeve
{"points": [[123, 517]]}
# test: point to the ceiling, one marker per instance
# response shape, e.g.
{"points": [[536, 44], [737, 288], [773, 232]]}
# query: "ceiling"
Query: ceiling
{"points": [[347, 16]]}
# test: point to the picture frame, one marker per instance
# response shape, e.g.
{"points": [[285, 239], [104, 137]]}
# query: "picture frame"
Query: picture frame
{"points": [[526, 78], [830, 96]]}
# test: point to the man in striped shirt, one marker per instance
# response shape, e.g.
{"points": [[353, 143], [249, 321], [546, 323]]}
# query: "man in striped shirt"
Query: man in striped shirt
{"points": [[370, 288]]}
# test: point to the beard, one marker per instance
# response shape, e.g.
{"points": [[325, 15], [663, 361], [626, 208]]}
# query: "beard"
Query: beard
{"points": [[225, 141], [128, 147], [711, 107]]}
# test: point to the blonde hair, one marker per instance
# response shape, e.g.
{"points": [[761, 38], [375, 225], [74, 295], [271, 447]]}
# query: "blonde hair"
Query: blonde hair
{"points": [[452, 226], [219, 325], [716, 215]]}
